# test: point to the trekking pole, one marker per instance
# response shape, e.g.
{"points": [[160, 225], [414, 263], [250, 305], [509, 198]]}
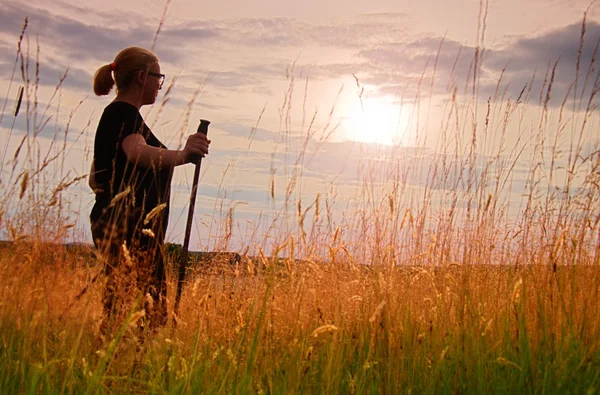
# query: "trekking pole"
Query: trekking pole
{"points": [[202, 128]]}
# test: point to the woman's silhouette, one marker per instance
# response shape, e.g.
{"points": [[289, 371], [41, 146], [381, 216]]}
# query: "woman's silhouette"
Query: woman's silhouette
{"points": [[131, 177]]}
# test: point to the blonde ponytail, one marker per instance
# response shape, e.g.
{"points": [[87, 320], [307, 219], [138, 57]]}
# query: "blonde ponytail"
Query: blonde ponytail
{"points": [[103, 80]]}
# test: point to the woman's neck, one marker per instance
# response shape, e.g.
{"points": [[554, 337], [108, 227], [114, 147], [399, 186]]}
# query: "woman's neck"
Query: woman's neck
{"points": [[132, 97]]}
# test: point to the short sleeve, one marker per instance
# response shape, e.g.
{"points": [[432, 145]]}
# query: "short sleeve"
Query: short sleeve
{"points": [[119, 121]]}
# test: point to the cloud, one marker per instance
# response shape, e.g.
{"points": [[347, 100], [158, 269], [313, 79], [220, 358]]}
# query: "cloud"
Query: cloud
{"points": [[402, 66], [350, 163], [256, 52], [46, 131], [260, 134], [233, 79], [573, 54], [282, 32], [68, 42], [70, 32], [69, 38]]}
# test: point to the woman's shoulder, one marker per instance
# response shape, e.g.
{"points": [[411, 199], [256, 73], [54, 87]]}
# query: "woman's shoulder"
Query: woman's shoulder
{"points": [[120, 107], [121, 116], [119, 112]]}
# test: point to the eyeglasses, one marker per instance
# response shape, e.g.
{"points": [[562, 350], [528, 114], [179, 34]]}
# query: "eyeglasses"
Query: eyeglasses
{"points": [[161, 78]]}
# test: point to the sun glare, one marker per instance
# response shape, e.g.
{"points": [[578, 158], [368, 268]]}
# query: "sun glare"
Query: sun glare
{"points": [[378, 120]]}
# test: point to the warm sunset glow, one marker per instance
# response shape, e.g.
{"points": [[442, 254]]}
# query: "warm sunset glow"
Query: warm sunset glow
{"points": [[377, 120]]}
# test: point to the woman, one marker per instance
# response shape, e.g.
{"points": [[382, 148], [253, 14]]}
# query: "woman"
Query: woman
{"points": [[131, 177]]}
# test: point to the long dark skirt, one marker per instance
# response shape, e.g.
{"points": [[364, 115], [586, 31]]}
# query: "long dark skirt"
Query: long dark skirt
{"points": [[135, 274]]}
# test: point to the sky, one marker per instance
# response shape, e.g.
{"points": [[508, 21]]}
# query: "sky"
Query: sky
{"points": [[320, 90]]}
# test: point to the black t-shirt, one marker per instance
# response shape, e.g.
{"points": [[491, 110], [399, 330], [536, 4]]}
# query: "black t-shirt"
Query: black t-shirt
{"points": [[114, 173]]}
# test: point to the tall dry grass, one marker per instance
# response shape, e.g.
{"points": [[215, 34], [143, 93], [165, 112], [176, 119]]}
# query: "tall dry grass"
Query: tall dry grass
{"points": [[450, 287]]}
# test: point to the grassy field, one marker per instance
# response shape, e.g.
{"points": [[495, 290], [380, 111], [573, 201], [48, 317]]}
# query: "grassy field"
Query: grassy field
{"points": [[452, 287], [311, 328]]}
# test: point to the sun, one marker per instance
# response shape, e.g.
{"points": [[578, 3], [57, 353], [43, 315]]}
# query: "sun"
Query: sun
{"points": [[376, 120]]}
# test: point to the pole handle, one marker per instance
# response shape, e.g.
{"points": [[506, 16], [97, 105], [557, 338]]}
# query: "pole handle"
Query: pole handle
{"points": [[203, 127]]}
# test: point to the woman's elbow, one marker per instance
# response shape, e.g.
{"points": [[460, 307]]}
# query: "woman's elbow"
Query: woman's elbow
{"points": [[92, 182]]}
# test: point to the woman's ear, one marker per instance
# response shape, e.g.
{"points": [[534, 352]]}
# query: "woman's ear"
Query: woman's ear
{"points": [[141, 76]]}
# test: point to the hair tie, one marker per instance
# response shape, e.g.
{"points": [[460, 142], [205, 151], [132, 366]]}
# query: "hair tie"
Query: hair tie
{"points": [[113, 66]]}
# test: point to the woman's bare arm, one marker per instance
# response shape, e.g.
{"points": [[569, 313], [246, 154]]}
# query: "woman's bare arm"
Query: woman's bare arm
{"points": [[144, 155]]}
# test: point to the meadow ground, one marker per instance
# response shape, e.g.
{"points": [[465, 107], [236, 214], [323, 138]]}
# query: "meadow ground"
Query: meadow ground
{"points": [[305, 327]]}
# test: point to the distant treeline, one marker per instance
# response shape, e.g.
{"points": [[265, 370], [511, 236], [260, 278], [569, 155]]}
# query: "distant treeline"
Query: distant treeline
{"points": [[173, 252]]}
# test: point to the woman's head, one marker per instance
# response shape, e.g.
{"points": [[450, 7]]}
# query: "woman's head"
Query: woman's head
{"points": [[131, 67]]}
